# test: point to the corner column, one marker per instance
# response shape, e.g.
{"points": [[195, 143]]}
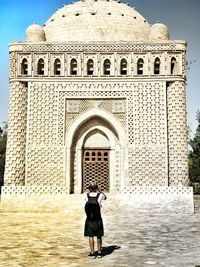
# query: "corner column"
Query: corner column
{"points": [[177, 134], [16, 142]]}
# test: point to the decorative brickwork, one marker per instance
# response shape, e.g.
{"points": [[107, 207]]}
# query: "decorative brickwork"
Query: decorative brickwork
{"points": [[98, 58], [45, 166], [97, 47], [33, 190], [13, 64], [162, 190], [75, 107], [16, 143], [146, 127], [42, 114], [76, 88], [177, 134]]}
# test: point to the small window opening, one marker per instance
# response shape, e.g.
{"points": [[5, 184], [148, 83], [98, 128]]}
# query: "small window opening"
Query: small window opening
{"points": [[107, 65], [90, 67], [123, 67], [57, 67], [40, 69], [140, 66], [157, 66], [73, 67], [173, 65], [24, 67]]}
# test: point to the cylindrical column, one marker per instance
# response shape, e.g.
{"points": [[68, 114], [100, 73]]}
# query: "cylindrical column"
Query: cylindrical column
{"points": [[177, 134], [16, 143]]}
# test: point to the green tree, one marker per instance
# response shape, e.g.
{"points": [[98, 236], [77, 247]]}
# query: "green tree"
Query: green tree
{"points": [[3, 140], [194, 158]]}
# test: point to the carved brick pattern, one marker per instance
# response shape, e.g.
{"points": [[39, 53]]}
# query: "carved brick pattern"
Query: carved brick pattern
{"points": [[128, 190], [33, 190], [96, 47], [154, 190], [45, 160], [149, 119], [146, 129], [100, 91], [177, 134], [147, 166], [86, 104], [16, 143], [42, 114], [45, 166], [13, 64], [117, 172], [184, 63]]}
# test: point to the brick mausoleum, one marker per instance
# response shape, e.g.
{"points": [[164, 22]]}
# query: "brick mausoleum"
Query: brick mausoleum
{"points": [[98, 94]]}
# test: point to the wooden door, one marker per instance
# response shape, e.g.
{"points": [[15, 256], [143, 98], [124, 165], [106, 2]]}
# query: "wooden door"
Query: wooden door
{"points": [[96, 168]]}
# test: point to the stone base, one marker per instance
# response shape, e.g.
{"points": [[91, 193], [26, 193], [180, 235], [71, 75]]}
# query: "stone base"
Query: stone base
{"points": [[160, 199], [37, 199], [141, 199]]}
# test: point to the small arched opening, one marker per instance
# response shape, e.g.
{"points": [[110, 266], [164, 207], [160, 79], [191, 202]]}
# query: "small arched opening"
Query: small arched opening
{"points": [[173, 66], [57, 67], [73, 67], [24, 67], [90, 67], [123, 67], [40, 67], [157, 66], [106, 67], [140, 66]]}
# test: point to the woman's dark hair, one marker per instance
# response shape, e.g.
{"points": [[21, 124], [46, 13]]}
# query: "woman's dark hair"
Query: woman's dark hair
{"points": [[93, 187]]}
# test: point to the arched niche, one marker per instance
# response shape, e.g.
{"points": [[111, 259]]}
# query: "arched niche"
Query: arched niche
{"points": [[82, 133]]}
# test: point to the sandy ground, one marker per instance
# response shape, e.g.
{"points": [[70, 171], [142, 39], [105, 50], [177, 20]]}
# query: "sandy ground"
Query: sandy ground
{"points": [[131, 239]]}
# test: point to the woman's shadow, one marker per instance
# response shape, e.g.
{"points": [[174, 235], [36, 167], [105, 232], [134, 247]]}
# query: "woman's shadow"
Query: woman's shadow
{"points": [[108, 250]]}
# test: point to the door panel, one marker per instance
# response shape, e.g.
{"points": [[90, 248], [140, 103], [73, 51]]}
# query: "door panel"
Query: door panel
{"points": [[96, 168]]}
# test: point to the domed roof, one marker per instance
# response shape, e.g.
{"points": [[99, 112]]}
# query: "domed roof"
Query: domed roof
{"points": [[96, 20], [159, 31], [35, 33]]}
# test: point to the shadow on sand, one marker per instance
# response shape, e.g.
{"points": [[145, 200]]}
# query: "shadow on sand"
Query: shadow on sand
{"points": [[109, 250]]}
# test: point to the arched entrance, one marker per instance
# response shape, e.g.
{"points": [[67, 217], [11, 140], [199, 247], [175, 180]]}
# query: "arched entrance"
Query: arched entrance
{"points": [[96, 160], [95, 132]]}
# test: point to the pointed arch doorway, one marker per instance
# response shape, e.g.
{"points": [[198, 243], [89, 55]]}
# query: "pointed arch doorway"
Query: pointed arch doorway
{"points": [[96, 161], [95, 131]]}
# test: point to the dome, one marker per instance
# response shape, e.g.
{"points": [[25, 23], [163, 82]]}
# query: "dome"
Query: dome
{"points": [[35, 33], [159, 31], [96, 20]]}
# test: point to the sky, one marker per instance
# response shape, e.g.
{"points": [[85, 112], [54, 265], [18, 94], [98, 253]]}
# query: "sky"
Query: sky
{"points": [[181, 16]]}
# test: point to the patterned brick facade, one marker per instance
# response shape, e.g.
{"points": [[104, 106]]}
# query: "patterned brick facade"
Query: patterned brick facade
{"points": [[130, 94]]}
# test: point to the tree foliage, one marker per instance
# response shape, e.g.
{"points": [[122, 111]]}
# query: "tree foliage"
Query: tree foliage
{"points": [[3, 140], [194, 158]]}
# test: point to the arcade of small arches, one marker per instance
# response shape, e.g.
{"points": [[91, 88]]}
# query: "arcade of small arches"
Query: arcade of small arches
{"points": [[90, 67]]}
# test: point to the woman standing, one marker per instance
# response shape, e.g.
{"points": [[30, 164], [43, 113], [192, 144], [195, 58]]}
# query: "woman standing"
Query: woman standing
{"points": [[94, 223]]}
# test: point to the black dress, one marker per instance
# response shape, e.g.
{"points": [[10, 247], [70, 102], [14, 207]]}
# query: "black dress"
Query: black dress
{"points": [[94, 224]]}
